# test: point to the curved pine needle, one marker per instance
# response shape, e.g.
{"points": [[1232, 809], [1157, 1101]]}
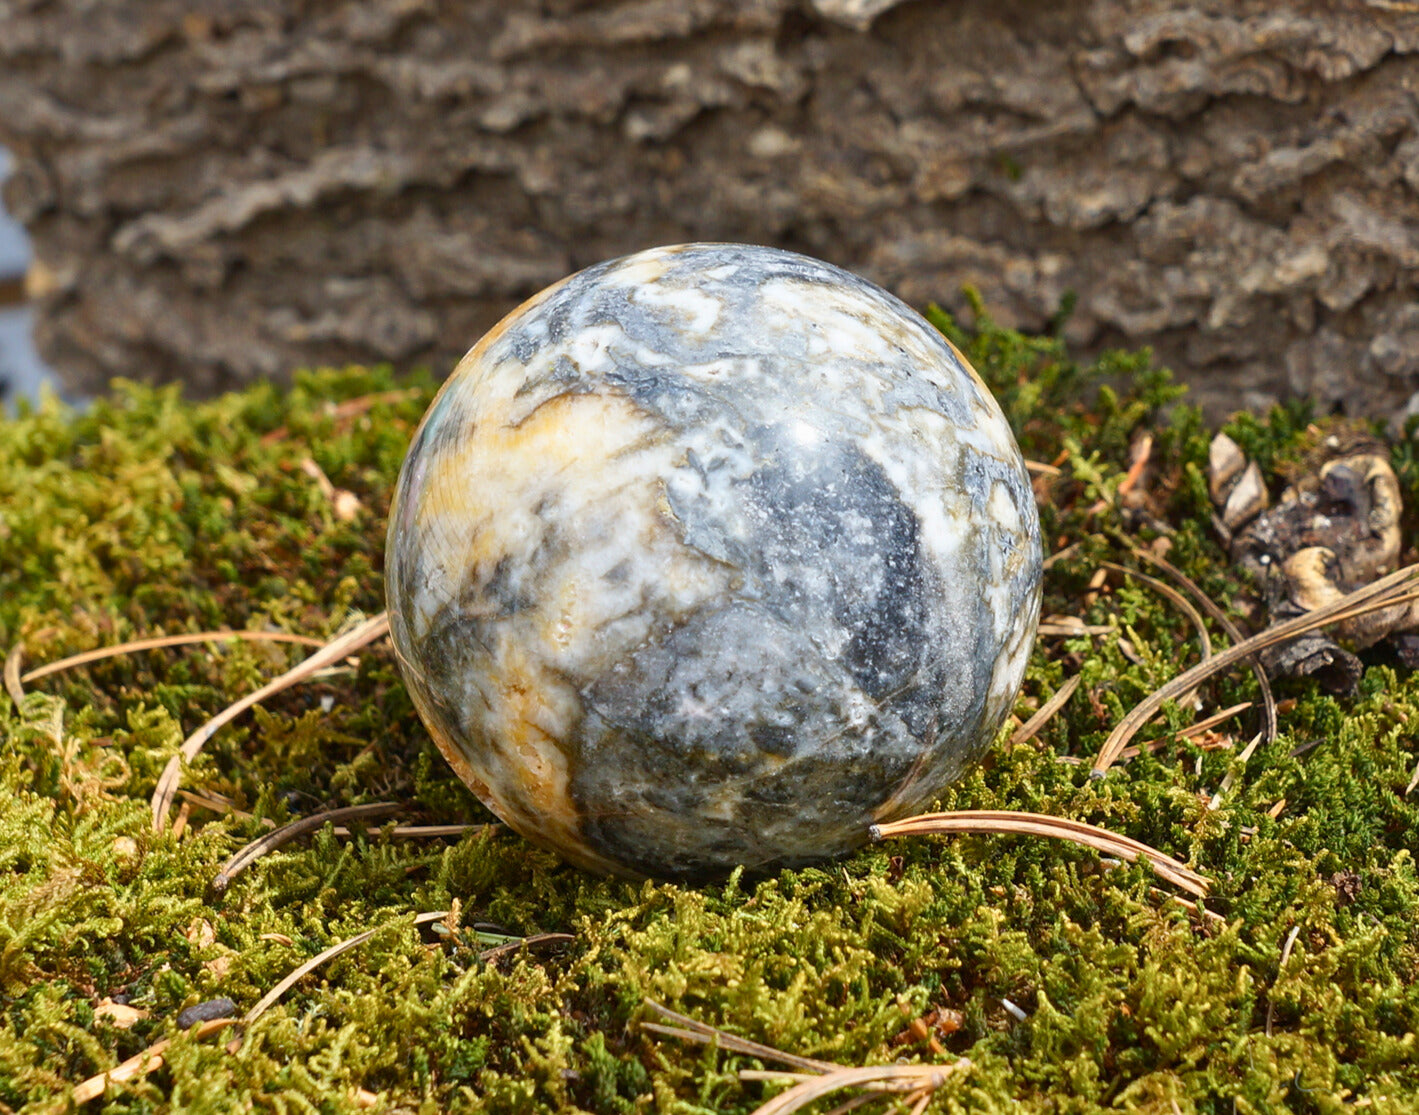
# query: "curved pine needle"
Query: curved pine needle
{"points": [[859, 1100], [776, 1075], [1345, 615], [499, 951], [140, 1064], [269, 999], [816, 1078], [894, 1078], [1194, 729], [160, 641], [1387, 592], [980, 822], [1230, 778], [691, 1029], [13, 661], [1280, 968], [286, 833], [420, 832], [1060, 555], [332, 652], [1031, 728], [1071, 630], [783, 1076], [1270, 724], [151, 1059], [1184, 605]]}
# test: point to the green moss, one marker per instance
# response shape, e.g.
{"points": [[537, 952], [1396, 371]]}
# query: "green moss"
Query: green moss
{"points": [[147, 515]]}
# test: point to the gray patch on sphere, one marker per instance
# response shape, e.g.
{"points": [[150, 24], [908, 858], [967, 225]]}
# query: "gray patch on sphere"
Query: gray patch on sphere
{"points": [[835, 552], [453, 658], [702, 751], [826, 544], [823, 683]]}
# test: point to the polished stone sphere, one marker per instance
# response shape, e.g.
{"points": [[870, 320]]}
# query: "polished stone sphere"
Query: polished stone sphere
{"points": [[712, 555]]}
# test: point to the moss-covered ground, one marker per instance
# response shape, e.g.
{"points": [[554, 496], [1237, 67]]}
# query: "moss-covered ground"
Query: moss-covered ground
{"points": [[148, 515]]}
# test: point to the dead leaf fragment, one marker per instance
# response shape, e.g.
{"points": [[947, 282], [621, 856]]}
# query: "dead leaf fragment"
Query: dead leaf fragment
{"points": [[120, 1015], [1247, 499], [1225, 461]]}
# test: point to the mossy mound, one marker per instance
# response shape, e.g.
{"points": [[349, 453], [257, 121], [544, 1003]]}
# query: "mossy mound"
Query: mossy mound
{"points": [[148, 515]]}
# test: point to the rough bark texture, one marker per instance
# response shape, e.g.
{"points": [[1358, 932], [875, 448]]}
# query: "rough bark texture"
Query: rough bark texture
{"points": [[220, 189]]}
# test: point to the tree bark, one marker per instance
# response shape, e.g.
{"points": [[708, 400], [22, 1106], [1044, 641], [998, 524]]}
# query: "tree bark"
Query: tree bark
{"points": [[224, 189]]}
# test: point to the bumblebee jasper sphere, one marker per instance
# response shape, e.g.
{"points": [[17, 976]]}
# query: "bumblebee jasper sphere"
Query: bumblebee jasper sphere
{"points": [[712, 555]]}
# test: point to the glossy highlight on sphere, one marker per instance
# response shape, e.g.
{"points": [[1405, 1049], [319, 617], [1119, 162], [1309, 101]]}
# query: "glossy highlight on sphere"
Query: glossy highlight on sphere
{"points": [[712, 555]]}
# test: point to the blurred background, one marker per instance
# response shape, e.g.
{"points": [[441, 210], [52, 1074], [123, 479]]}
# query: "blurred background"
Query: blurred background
{"points": [[21, 371], [218, 190]]}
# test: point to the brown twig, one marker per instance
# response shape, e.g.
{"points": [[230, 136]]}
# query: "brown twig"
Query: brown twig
{"points": [[1071, 630], [852, 1104], [1009, 822], [1384, 593], [922, 1099], [1139, 453], [217, 803], [1032, 726], [1189, 906], [1396, 601], [366, 633], [166, 641]]}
